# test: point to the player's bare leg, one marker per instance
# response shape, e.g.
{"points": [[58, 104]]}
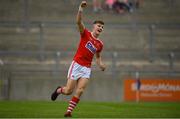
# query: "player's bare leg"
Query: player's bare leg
{"points": [[66, 90], [81, 85]]}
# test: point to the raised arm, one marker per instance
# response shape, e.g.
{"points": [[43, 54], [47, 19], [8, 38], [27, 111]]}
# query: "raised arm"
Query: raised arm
{"points": [[99, 61], [80, 24]]}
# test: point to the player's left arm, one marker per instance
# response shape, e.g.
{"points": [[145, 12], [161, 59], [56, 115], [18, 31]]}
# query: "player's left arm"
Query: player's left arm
{"points": [[99, 62]]}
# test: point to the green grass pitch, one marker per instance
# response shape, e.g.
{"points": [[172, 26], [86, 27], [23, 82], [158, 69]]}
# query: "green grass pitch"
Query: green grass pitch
{"points": [[45, 109]]}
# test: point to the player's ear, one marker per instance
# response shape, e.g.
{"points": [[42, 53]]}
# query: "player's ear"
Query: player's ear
{"points": [[93, 26]]}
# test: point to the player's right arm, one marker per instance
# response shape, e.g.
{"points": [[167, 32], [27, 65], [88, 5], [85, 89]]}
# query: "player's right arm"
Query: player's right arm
{"points": [[79, 21]]}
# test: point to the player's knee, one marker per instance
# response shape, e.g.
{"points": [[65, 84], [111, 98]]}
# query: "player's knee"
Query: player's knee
{"points": [[80, 90]]}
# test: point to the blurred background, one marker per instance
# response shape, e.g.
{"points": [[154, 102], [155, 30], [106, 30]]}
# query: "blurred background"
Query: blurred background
{"points": [[38, 39]]}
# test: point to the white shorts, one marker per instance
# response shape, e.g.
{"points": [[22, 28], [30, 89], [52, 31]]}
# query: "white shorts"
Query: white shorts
{"points": [[77, 71]]}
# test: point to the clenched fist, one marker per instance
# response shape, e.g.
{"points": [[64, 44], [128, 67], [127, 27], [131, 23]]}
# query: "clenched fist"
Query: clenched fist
{"points": [[83, 4]]}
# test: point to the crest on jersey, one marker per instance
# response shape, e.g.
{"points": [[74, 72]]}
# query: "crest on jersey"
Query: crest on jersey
{"points": [[91, 47]]}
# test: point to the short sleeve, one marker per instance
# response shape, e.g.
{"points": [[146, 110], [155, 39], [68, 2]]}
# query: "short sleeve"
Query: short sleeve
{"points": [[84, 33], [100, 47]]}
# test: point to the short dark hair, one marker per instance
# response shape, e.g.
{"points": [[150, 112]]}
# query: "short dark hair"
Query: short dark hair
{"points": [[99, 22]]}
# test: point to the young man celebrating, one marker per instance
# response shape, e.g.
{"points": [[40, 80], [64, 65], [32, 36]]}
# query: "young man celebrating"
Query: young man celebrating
{"points": [[80, 69]]}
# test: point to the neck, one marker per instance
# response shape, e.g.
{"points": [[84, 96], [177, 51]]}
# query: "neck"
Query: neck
{"points": [[95, 35]]}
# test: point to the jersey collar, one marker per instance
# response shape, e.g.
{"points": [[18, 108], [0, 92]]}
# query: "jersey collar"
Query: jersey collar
{"points": [[94, 37]]}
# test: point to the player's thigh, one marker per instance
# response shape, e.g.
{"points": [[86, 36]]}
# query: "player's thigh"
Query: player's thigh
{"points": [[71, 84], [82, 83]]}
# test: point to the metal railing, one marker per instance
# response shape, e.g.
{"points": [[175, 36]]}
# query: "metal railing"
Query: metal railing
{"points": [[151, 54]]}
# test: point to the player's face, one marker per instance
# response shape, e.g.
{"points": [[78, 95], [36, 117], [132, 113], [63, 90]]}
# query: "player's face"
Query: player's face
{"points": [[98, 28]]}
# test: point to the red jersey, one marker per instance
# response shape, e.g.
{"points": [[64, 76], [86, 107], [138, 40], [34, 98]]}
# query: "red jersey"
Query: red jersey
{"points": [[88, 46]]}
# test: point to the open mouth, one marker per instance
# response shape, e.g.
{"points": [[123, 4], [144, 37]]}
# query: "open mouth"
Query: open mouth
{"points": [[99, 30]]}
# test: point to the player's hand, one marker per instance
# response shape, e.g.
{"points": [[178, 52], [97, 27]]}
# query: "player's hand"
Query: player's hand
{"points": [[83, 4], [102, 67]]}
